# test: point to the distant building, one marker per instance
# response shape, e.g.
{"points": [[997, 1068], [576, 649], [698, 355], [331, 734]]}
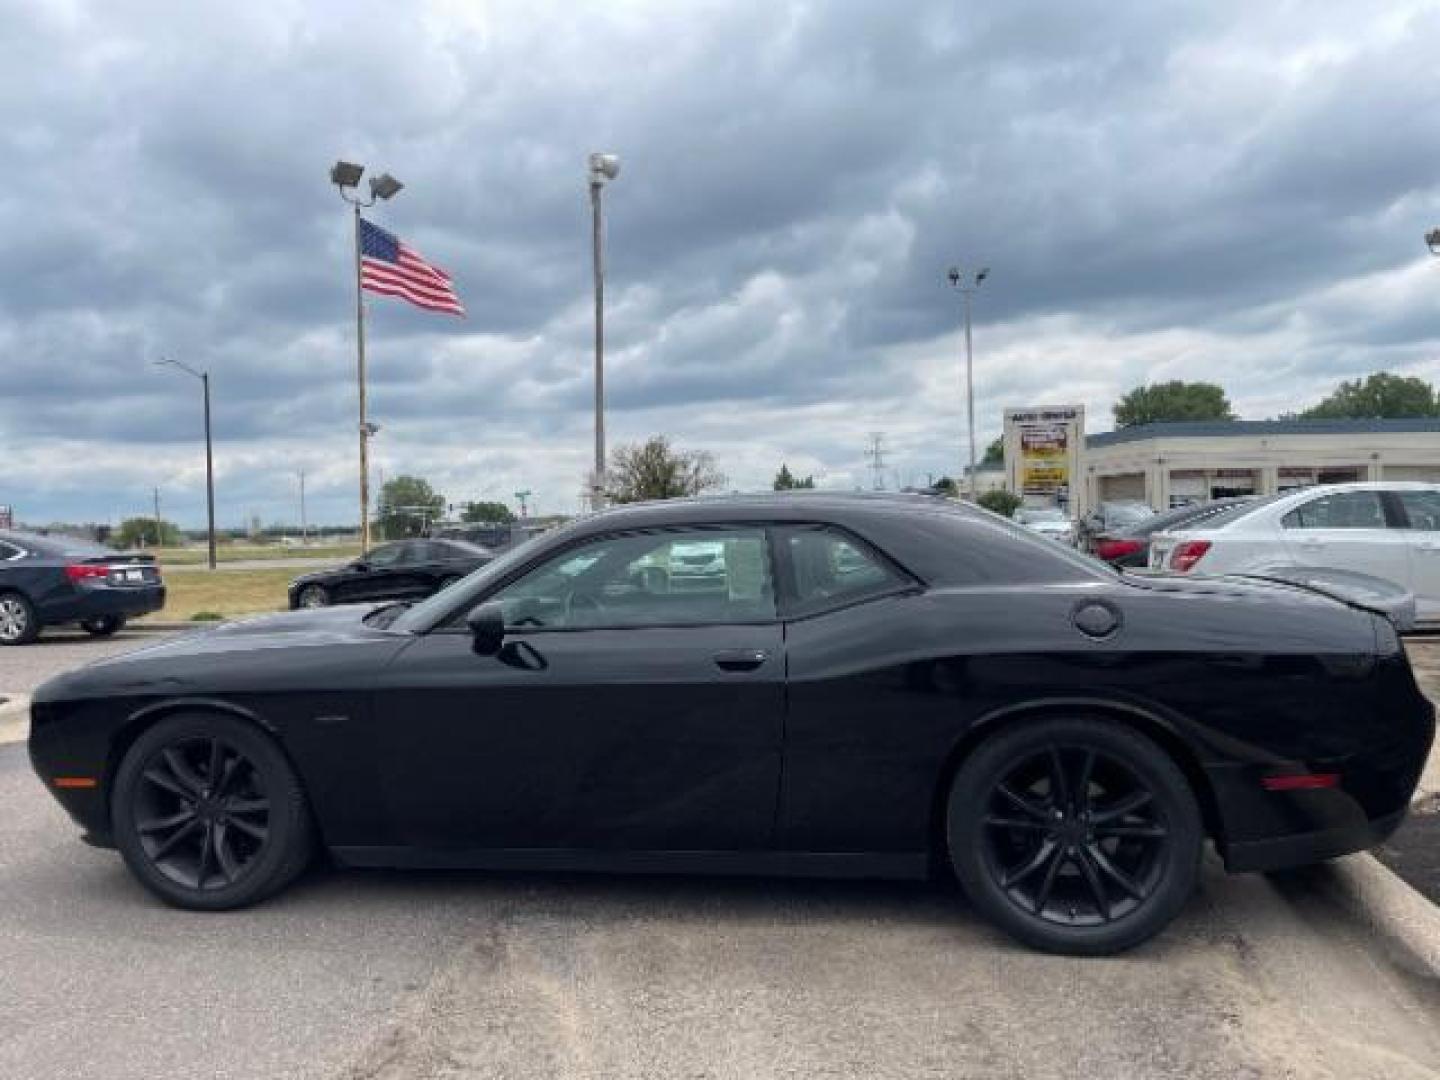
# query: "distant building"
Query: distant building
{"points": [[1172, 464]]}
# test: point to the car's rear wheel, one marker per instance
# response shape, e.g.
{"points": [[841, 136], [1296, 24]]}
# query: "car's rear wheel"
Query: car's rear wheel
{"points": [[313, 596], [19, 624], [208, 813], [103, 626], [1076, 836]]}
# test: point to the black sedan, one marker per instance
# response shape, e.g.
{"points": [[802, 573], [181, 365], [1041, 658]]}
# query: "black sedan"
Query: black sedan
{"points": [[404, 570], [876, 686], [55, 580]]}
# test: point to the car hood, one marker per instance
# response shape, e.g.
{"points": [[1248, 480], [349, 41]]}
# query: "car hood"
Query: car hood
{"points": [[208, 657]]}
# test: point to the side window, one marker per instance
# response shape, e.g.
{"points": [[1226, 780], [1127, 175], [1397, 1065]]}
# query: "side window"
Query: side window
{"points": [[830, 568], [385, 556], [699, 576], [416, 552], [1343, 510], [1422, 508]]}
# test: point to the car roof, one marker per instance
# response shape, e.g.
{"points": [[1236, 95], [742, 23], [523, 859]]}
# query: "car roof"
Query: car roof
{"points": [[776, 505], [53, 543]]}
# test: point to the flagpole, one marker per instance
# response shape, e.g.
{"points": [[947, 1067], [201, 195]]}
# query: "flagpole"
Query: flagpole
{"points": [[360, 378]]}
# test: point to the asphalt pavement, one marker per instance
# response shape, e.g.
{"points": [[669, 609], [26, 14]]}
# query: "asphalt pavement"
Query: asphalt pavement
{"points": [[24, 668], [382, 976]]}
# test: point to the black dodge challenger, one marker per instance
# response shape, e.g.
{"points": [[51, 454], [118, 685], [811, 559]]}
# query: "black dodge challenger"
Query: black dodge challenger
{"points": [[877, 686]]}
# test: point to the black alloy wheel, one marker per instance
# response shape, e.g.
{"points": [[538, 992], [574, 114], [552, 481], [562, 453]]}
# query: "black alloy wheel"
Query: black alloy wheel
{"points": [[1077, 836], [103, 625], [209, 814]]}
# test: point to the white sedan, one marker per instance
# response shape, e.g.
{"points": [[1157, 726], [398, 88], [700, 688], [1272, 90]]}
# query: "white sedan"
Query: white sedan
{"points": [[1388, 530], [1047, 521]]}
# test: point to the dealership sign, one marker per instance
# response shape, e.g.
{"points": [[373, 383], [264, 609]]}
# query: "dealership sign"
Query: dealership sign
{"points": [[1042, 450]]}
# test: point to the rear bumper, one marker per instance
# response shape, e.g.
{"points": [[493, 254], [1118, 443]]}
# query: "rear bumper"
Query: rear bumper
{"points": [[1311, 847], [98, 602]]}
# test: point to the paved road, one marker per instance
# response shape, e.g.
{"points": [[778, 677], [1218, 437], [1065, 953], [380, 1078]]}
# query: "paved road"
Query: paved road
{"points": [[381, 976]]}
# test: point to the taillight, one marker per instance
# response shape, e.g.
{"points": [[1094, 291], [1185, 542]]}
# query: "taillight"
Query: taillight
{"points": [[86, 571], [1115, 549], [1187, 553]]}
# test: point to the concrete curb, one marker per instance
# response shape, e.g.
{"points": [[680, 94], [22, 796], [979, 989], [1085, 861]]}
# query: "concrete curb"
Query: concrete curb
{"points": [[15, 719], [1405, 923]]}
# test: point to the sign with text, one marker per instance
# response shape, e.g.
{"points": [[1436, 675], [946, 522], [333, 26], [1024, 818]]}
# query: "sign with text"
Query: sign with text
{"points": [[1042, 451]]}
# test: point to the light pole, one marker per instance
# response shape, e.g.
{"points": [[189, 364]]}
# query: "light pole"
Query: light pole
{"points": [[346, 178], [304, 528], [603, 168], [966, 285], [1432, 241], [204, 377], [524, 497]]}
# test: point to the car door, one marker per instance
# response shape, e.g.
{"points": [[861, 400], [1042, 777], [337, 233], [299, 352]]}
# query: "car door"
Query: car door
{"points": [[1349, 530], [620, 715], [1421, 520], [375, 576]]}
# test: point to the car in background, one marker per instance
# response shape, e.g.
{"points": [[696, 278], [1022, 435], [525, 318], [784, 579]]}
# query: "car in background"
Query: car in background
{"points": [[403, 570], [57, 580], [1384, 529], [1107, 519], [495, 536], [1130, 546], [1048, 521]]}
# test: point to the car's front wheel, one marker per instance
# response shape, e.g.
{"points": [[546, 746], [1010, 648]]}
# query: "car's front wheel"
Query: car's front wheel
{"points": [[313, 596], [19, 624], [104, 625], [208, 813], [1075, 836]]}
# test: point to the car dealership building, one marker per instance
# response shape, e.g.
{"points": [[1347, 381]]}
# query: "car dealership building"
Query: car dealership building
{"points": [[1176, 463]]}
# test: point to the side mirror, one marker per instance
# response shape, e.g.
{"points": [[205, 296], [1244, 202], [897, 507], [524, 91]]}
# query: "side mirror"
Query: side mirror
{"points": [[487, 628]]}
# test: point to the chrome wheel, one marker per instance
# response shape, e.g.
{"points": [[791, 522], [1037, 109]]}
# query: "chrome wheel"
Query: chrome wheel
{"points": [[313, 596], [16, 620], [201, 813]]}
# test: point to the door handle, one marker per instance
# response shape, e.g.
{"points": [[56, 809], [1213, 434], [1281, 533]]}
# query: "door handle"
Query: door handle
{"points": [[740, 659]]}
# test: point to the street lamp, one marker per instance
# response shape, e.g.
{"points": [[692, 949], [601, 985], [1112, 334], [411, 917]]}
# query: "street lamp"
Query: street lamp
{"points": [[603, 168], [346, 176], [1432, 241], [204, 377], [967, 285]]}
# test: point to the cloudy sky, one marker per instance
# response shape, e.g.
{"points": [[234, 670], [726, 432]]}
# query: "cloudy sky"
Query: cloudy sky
{"points": [[1233, 191]]}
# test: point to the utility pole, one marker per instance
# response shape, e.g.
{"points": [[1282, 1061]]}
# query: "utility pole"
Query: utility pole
{"points": [[876, 453], [967, 286], [304, 530], [158, 533], [603, 167]]}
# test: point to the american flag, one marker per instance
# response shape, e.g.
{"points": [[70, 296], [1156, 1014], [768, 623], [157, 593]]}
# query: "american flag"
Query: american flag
{"points": [[393, 268]]}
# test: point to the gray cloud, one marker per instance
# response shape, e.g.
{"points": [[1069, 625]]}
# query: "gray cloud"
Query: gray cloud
{"points": [[1163, 189]]}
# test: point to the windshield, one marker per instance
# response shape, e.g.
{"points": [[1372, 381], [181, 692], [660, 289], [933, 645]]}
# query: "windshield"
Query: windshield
{"points": [[428, 611]]}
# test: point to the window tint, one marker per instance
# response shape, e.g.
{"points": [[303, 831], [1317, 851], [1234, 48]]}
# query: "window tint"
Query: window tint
{"points": [[1342, 510], [831, 569], [387, 555], [1422, 508], [654, 579]]}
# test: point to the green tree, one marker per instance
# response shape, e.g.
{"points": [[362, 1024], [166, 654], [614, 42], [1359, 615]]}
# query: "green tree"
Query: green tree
{"points": [[407, 505], [487, 513], [785, 480], [999, 501], [1175, 400], [946, 486], [1380, 396], [656, 470], [141, 532], [995, 452]]}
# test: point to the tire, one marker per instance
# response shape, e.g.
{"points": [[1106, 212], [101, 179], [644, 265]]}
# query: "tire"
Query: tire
{"points": [[313, 596], [1116, 865], [19, 622], [104, 626], [177, 833]]}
